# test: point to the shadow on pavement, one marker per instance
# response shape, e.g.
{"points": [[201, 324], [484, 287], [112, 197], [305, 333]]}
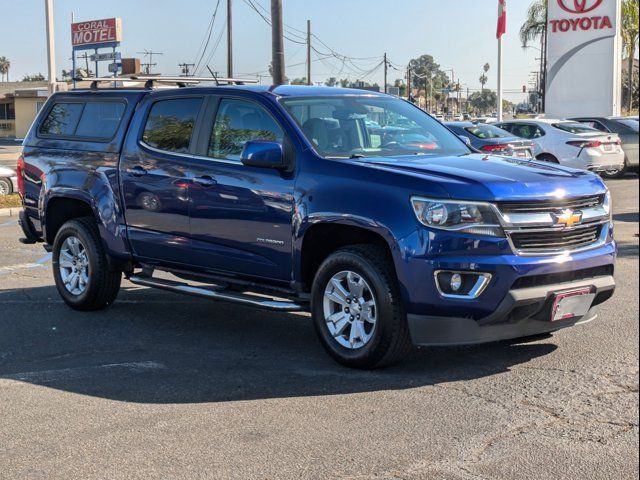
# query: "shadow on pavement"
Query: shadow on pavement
{"points": [[155, 347], [627, 217]]}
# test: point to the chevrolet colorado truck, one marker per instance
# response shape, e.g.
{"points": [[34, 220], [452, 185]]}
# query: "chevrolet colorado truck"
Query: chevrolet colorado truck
{"points": [[355, 206]]}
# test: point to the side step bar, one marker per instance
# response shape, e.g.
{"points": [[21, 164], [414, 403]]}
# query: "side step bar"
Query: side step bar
{"points": [[214, 293]]}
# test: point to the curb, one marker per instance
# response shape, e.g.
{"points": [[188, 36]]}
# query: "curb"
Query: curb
{"points": [[10, 212]]}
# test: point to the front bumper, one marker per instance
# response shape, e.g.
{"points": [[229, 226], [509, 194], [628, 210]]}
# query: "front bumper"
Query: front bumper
{"points": [[523, 312]]}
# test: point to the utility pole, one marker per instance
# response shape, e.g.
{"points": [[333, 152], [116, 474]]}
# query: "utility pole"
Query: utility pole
{"points": [[277, 42], [51, 53], [409, 82], [385, 72], [148, 65], [229, 39], [308, 52], [185, 68]]}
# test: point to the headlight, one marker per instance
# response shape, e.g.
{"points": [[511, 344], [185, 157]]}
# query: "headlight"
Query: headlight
{"points": [[459, 216], [607, 204]]}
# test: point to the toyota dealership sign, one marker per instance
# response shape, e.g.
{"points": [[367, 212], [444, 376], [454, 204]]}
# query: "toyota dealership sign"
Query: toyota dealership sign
{"points": [[584, 58]]}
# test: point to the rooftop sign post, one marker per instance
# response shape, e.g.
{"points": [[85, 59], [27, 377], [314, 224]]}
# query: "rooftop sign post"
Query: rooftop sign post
{"points": [[95, 34]]}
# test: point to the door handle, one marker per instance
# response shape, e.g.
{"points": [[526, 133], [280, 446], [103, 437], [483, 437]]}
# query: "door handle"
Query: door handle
{"points": [[137, 171], [205, 181]]}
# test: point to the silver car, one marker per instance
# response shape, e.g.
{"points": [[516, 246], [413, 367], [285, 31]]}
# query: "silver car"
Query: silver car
{"points": [[8, 181], [570, 143]]}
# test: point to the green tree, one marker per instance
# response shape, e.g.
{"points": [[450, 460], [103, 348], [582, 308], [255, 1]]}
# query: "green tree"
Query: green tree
{"points": [[5, 65], [535, 24], [299, 81], [427, 74], [481, 102], [38, 77], [629, 33], [331, 82]]}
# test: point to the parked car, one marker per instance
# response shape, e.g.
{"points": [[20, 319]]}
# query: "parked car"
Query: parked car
{"points": [[570, 143], [8, 181], [489, 138], [627, 129], [280, 198]]}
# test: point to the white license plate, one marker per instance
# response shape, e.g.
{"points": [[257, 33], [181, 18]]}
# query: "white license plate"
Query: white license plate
{"points": [[608, 147], [574, 304]]}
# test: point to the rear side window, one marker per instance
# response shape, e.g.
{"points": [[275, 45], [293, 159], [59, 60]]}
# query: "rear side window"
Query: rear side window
{"points": [[170, 124], [62, 119], [486, 132], [93, 120]]}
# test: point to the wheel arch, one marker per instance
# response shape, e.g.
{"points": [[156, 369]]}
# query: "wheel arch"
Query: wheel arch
{"points": [[321, 239]]}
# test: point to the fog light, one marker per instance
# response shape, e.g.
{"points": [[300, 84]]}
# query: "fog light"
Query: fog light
{"points": [[456, 282]]}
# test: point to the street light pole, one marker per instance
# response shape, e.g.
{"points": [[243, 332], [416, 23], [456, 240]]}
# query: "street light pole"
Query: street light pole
{"points": [[51, 52], [308, 52]]}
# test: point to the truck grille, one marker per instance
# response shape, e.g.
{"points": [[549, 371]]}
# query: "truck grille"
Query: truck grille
{"points": [[551, 241], [550, 206]]}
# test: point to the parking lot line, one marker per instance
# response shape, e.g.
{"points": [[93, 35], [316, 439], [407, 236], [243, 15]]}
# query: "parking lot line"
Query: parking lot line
{"points": [[24, 266], [9, 223]]}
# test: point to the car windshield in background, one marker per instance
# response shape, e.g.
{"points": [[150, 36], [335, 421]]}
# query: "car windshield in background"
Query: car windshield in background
{"points": [[487, 132], [368, 126], [575, 127], [629, 122]]}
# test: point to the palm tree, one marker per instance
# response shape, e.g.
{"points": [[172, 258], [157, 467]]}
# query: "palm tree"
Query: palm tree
{"points": [[5, 65], [483, 81], [629, 32], [483, 78], [534, 28]]}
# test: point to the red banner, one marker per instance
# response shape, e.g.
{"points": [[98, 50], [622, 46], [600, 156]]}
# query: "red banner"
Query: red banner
{"points": [[502, 18]]}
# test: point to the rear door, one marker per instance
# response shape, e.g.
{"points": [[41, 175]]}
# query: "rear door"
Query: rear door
{"points": [[241, 216], [154, 174]]}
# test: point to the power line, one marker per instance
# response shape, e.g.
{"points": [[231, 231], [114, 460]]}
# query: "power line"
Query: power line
{"points": [[207, 36]]}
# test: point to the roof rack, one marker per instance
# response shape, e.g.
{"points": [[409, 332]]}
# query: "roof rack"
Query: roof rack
{"points": [[149, 80]]}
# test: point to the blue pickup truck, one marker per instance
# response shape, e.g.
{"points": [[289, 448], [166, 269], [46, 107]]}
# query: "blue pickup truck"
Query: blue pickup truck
{"points": [[355, 206]]}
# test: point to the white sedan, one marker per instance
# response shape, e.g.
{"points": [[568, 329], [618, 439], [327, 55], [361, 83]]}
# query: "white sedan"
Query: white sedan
{"points": [[8, 181], [570, 143]]}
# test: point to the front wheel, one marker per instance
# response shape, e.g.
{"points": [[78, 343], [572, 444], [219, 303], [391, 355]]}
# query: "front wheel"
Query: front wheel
{"points": [[80, 267], [356, 308], [6, 188]]}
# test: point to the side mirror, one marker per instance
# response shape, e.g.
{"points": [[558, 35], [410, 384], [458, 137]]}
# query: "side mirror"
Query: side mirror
{"points": [[465, 139], [264, 154]]}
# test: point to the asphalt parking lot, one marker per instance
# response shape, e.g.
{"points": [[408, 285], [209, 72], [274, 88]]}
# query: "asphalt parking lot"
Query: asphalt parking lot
{"points": [[163, 386]]}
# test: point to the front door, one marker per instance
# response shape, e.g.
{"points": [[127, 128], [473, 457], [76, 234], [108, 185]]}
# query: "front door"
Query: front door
{"points": [[241, 217], [154, 176]]}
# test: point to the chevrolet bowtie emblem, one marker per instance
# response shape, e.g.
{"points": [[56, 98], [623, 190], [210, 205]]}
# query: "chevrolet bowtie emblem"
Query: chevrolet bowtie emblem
{"points": [[568, 217]]}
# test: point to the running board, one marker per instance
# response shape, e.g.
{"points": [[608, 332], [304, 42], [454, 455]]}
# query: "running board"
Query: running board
{"points": [[216, 294]]}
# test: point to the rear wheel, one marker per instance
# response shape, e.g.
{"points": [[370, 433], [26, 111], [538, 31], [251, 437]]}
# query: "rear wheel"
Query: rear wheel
{"points": [[357, 311], [547, 157], [80, 267], [5, 187], [616, 172]]}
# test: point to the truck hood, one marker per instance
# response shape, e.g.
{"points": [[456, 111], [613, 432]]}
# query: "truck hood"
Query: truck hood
{"points": [[492, 178]]}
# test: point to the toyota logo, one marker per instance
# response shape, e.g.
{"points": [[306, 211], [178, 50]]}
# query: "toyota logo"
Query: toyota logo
{"points": [[579, 6]]}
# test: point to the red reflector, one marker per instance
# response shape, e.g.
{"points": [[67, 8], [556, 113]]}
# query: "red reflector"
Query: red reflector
{"points": [[495, 148], [20, 175]]}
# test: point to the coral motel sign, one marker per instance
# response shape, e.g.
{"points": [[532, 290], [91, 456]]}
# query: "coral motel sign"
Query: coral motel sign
{"points": [[96, 33]]}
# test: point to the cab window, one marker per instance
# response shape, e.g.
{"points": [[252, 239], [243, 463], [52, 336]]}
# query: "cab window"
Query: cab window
{"points": [[238, 122]]}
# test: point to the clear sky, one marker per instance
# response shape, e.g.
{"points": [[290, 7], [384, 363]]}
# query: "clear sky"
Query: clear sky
{"points": [[460, 34]]}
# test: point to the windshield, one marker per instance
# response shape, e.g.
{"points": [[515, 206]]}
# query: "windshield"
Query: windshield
{"points": [[485, 131], [575, 127], [367, 126]]}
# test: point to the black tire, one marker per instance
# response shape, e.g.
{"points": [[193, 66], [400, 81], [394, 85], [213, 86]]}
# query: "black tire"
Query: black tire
{"points": [[391, 341], [547, 157], [103, 285], [6, 187]]}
